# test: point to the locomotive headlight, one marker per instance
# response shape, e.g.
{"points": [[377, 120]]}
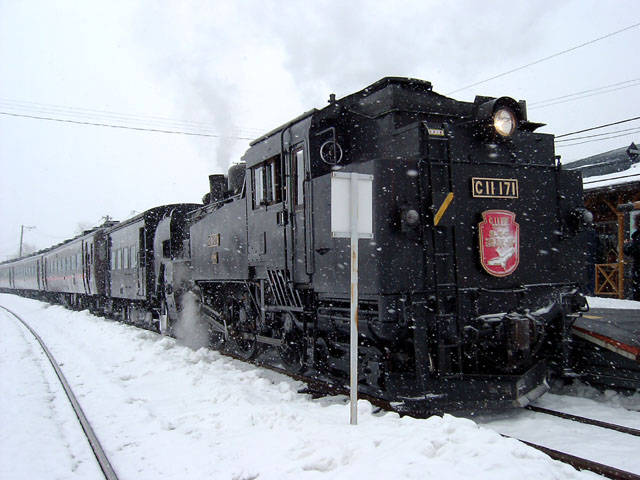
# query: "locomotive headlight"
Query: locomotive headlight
{"points": [[504, 121], [498, 119]]}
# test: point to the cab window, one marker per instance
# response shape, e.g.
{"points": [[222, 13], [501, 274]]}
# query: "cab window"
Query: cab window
{"points": [[265, 180]]}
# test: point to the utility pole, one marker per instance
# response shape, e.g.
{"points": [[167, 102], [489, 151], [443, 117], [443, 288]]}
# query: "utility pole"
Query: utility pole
{"points": [[22, 227]]}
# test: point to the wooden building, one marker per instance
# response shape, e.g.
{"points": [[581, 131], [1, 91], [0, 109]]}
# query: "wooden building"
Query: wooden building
{"points": [[611, 179]]}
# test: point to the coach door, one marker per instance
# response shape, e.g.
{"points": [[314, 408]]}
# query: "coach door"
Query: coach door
{"points": [[86, 267], [39, 273], [141, 262], [300, 207]]}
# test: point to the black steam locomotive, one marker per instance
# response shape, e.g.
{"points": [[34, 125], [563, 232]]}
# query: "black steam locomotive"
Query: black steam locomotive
{"points": [[468, 286]]}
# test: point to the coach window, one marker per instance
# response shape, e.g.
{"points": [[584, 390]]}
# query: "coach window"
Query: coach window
{"points": [[125, 257], [134, 257]]}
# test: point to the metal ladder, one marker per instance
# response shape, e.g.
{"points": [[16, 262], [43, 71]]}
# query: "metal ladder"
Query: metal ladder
{"points": [[442, 255]]}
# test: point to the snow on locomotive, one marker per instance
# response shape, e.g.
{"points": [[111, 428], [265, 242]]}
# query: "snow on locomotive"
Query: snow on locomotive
{"points": [[469, 284]]}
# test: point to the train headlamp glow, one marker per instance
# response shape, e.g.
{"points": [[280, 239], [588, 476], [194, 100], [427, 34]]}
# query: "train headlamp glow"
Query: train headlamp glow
{"points": [[504, 121]]}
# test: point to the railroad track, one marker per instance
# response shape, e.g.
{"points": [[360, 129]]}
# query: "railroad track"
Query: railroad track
{"points": [[586, 421], [582, 463], [94, 443], [577, 462]]}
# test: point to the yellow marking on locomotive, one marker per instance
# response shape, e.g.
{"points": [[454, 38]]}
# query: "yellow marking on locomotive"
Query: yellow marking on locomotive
{"points": [[443, 208]]}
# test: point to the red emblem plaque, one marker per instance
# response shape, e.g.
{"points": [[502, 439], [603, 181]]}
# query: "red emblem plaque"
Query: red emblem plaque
{"points": [[499, 242]]}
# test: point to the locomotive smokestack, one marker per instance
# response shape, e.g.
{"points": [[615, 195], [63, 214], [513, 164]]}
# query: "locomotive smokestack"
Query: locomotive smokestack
{"points": [[217, 184]]}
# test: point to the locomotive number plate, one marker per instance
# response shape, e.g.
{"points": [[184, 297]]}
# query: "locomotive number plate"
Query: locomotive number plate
{"points": [[494, 187]]}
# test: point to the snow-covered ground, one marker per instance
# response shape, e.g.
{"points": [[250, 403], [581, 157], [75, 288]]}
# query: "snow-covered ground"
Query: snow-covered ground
{"points": [[162, 410]]}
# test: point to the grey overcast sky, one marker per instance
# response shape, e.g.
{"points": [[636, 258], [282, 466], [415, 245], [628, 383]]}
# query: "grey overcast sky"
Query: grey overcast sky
{"points": [[234, 70]]}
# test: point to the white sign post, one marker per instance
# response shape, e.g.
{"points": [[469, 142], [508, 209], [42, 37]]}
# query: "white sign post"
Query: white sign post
{"points": [[352, 217]]}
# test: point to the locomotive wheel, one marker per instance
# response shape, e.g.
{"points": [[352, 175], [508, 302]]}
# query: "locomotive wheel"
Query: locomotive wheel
{"points": [[247, 348], [243, 326], [291, 351], [321, 363], [216, 339]]}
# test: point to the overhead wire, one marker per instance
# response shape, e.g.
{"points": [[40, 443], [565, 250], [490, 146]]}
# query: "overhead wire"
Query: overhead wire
{"points": [[23, 104], [593, 140], [597, 137], [545, 58], [630, 130], [584, 94], [598, 127], [128, 118], [156, 130], [149, 121]]}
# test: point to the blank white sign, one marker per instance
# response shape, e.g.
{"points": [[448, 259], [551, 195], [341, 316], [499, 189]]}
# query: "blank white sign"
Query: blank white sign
{"points": [[341, 205]]}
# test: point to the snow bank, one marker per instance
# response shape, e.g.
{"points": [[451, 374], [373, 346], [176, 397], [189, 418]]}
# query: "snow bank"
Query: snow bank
{"points": [[599, 302]]}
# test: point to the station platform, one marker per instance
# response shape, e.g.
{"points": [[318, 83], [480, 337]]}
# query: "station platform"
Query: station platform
{"points": [[607, 347]]}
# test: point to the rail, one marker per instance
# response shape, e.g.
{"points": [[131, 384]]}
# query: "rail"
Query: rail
{"points": [[97, 449]]}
